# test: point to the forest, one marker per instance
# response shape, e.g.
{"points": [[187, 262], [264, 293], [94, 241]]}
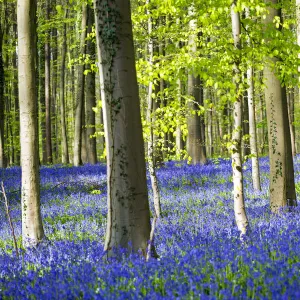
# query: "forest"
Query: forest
{"points": [[149, 149]]}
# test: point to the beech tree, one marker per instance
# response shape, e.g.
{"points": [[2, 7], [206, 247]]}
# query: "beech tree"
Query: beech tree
{"points": [[32, 227], [128, 222], [195, 136], [80, 92], [282, 183]]}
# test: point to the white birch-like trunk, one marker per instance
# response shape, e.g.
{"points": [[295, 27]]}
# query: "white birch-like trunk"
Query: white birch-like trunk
{"points": [[128, 221], [32, 227], [237, 169], [149, 119]]}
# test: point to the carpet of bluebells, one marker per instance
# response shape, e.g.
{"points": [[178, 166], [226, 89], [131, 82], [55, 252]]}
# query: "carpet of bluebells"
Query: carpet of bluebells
{"points": [[201, 255]]}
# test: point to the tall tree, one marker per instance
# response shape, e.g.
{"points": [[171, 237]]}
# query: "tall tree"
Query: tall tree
{"points": [[195, 148], [79, 106], [64, 138], [2, 159], [47, 90], [282, 183], [91, 94], [128, 222], [252, 124], [238, 188], [32, 227], [149, 117]]}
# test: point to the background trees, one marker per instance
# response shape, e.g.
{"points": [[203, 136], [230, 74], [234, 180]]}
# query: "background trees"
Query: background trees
{"points": [[190, 106]]}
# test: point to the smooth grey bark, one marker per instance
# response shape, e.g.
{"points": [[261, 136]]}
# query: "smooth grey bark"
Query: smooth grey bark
{"points": [[54, 101], [64, 137], [237, 170], [42, 106], [252, 131], [252, 124], [195, 148], [179, 140], [90, 95], [291, 113], [80, 92], [32, 227], [16, 97], [128, 222], [149, 118], [282, 183], [48, 92]]}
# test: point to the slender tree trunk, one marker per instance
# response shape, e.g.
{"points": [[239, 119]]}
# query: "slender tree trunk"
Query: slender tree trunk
{"points": [[80, 93], [194, 122], [32, 227], [64, 140], [179, 140], [252, 131], [91, 97], [2, 107], [238, 188], [246, 146], [48, 93], [128, 222], [291, 112], [150, 143], [282, 184], [54, 109], [16, 128]]}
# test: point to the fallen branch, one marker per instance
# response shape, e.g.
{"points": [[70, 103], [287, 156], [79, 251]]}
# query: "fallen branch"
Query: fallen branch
{"points": [[9, 219]]}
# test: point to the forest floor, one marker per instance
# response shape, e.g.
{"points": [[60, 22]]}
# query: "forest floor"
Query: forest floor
{"points": [[201, 255]]}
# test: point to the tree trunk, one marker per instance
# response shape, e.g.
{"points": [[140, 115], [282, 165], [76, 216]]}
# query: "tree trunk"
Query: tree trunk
{"points": [[80, 93], [2, 83], [194, 122], [252, 132], [291, 112], [150, 143], [179, 140], [64, 137], [238, 188], [128, 222], [32, 227], [48, 93], [282, 184], [91, 96]]}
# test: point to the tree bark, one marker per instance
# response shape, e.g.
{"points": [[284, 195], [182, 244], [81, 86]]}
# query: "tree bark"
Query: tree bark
{"points": [[252, 131], [150, 143], [238, 188], [195, 147], [64, 137], [252, 125], [91, 96], [80, 92], [128, 222], [291, 113], [2, 107], [282, 184], [48, 92], [32, 227]]}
